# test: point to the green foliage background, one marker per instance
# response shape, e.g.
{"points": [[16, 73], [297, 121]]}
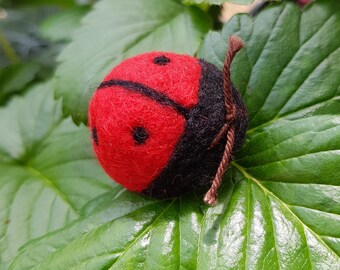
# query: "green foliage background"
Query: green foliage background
{"points": [[279, 207]]}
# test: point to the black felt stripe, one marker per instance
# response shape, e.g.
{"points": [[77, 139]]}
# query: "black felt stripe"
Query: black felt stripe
{"points": [[148, 92]]}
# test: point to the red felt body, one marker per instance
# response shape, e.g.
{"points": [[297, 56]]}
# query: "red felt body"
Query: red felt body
{"points": [[115, 111]]}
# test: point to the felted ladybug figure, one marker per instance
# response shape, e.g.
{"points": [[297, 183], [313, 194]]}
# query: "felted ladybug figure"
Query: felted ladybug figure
{"points": [[163, 124]]}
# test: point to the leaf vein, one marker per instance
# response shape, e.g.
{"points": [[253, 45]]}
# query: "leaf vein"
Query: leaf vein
{"points": [[258, 182], [50, 183], [142, 233], [295, 157]]}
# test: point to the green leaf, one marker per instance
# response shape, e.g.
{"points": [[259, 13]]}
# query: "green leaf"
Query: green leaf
{"points": [[118, 29], [279, 207], [296, 67], [60, 27], [47, 170]]}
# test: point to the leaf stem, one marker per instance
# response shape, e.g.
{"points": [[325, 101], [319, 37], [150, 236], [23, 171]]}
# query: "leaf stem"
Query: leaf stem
{"points": [[8, 49], [247, 175]]}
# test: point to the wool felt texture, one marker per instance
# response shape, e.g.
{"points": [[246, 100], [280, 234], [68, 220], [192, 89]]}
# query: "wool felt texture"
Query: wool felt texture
{"points": [[153, 119]]}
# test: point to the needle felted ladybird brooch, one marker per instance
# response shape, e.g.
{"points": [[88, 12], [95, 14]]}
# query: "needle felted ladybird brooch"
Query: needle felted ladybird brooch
{"points": [[164, 124]]}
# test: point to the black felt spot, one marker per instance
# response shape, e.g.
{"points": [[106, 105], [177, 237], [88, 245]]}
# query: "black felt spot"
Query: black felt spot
{"points": [[193, 164], [140, 135], [95, 136], [161, 60]]}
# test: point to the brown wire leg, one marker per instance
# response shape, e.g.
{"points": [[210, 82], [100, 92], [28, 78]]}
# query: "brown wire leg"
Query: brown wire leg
{"points": [[234, 45]]}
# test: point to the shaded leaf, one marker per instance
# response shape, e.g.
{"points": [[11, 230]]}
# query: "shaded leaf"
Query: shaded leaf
{"points": [[20, 28], [15, 78], [24, 44]]}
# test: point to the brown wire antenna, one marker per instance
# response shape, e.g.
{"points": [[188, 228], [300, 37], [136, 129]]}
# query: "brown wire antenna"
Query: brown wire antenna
{"points": [[228, 129]]}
